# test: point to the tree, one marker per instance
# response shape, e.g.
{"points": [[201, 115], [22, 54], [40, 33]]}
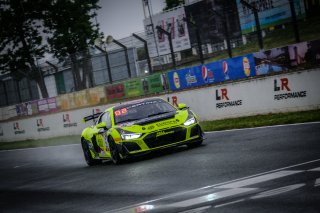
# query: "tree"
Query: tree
{"points": [[173, 3], [70, 23], [21, 41]]}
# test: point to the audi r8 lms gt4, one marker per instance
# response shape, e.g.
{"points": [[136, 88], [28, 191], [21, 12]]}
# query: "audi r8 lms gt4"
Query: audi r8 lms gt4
{"points": [[139, 127]]}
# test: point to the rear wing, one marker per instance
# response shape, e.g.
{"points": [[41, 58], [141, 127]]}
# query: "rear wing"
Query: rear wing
{"points": [[91, 117]]}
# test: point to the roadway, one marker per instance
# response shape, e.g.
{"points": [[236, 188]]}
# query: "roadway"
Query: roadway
{"points": [[252, 170]]}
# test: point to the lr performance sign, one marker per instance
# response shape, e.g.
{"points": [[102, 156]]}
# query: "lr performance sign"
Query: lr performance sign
{"points": [[284, 90], [224, 100]]}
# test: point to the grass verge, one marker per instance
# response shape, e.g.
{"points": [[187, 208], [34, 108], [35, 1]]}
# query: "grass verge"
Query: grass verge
{"points": [[232, 123], [40, 143], [262, 120]]}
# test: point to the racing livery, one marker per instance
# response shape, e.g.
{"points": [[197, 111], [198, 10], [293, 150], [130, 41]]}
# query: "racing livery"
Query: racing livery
{"points": [[139, 127]]}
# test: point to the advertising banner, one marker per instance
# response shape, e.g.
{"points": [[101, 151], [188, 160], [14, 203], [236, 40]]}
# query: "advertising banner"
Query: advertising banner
{"points": [[185, 78], [155, 83], [171, 22], [238, 67], [47, 105], [115, 91], [305, 55], [271, 13], [229, 69], [274, 60], [133, 88], [28, 108]]}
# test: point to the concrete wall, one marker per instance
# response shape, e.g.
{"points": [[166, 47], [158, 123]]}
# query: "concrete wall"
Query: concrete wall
{"points": [[280, 93]]}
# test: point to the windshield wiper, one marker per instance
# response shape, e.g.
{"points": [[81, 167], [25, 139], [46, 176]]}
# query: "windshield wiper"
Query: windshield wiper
{"points": [[160, 113]]}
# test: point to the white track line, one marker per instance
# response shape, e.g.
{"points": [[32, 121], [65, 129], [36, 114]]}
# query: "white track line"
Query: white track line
{"points": [[42, 147], [211, 186]]}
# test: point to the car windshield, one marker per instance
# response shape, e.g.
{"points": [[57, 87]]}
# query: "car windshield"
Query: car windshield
{"points": [[141, 110]]}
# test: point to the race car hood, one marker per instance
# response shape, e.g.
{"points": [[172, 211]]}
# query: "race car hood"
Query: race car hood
{"points": [[157, 122]]}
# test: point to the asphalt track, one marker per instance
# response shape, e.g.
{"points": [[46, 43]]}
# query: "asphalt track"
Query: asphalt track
{"points": [[272, 169]]}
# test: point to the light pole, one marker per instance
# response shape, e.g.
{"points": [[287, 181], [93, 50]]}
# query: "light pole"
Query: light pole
{"points": [[170, 43]]}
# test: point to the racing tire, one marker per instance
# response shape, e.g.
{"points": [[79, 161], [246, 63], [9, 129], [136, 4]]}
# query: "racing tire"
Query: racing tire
{"points": [[87, 154], [115, 156], [195, 144]]}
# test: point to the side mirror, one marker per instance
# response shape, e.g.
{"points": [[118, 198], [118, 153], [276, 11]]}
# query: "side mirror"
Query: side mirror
{"points": [[102, 125], [182, 106]]}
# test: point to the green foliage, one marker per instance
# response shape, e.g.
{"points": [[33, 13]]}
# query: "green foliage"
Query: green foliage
{"points": [[173, 3], [31, 28], [261, 120], [70, 23], [20, 32]]}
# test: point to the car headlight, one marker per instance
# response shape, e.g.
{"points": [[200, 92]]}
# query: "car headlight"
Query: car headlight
{"points": [[130, 136], [126, 135], [190, 120]]}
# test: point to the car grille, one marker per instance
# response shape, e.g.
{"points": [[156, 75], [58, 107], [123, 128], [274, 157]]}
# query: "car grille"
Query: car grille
{"points": [[195, 131], [165, 137], [131, 146]]}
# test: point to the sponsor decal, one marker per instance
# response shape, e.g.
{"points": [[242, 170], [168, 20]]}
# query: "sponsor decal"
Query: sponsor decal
{"points": [[246, 66], [225, 69], [17, 128], [174, 100], [67, 122], [207, 74], [286, 93], [150, 127], [162, 133], [120, 112], [41, 127], [166, 123], [224, 100], [176, 80], [191, 78]]}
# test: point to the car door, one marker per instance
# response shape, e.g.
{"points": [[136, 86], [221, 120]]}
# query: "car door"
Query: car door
{"points": [[101, 136]]}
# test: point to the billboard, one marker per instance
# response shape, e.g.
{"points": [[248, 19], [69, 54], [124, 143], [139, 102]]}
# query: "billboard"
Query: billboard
{"points": [[274, 60], [171, 22], [304, 55], [271, 13], [151, 84]]}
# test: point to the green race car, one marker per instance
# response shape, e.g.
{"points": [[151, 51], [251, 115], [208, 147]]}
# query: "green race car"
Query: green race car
{"points": [[139, 127]]}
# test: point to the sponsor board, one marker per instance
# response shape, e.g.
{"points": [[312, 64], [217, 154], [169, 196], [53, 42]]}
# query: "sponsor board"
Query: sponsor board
{"points": [[41, 127], [283, 90], [67, 121], [18, 129], [223, 100]]}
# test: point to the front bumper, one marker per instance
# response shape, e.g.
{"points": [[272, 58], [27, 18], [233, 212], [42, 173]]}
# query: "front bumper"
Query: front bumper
{"points": [[164, 138]]}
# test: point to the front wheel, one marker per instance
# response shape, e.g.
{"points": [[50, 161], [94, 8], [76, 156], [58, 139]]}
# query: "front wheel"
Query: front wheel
{"points": [[115, 156], [87, 154]]}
